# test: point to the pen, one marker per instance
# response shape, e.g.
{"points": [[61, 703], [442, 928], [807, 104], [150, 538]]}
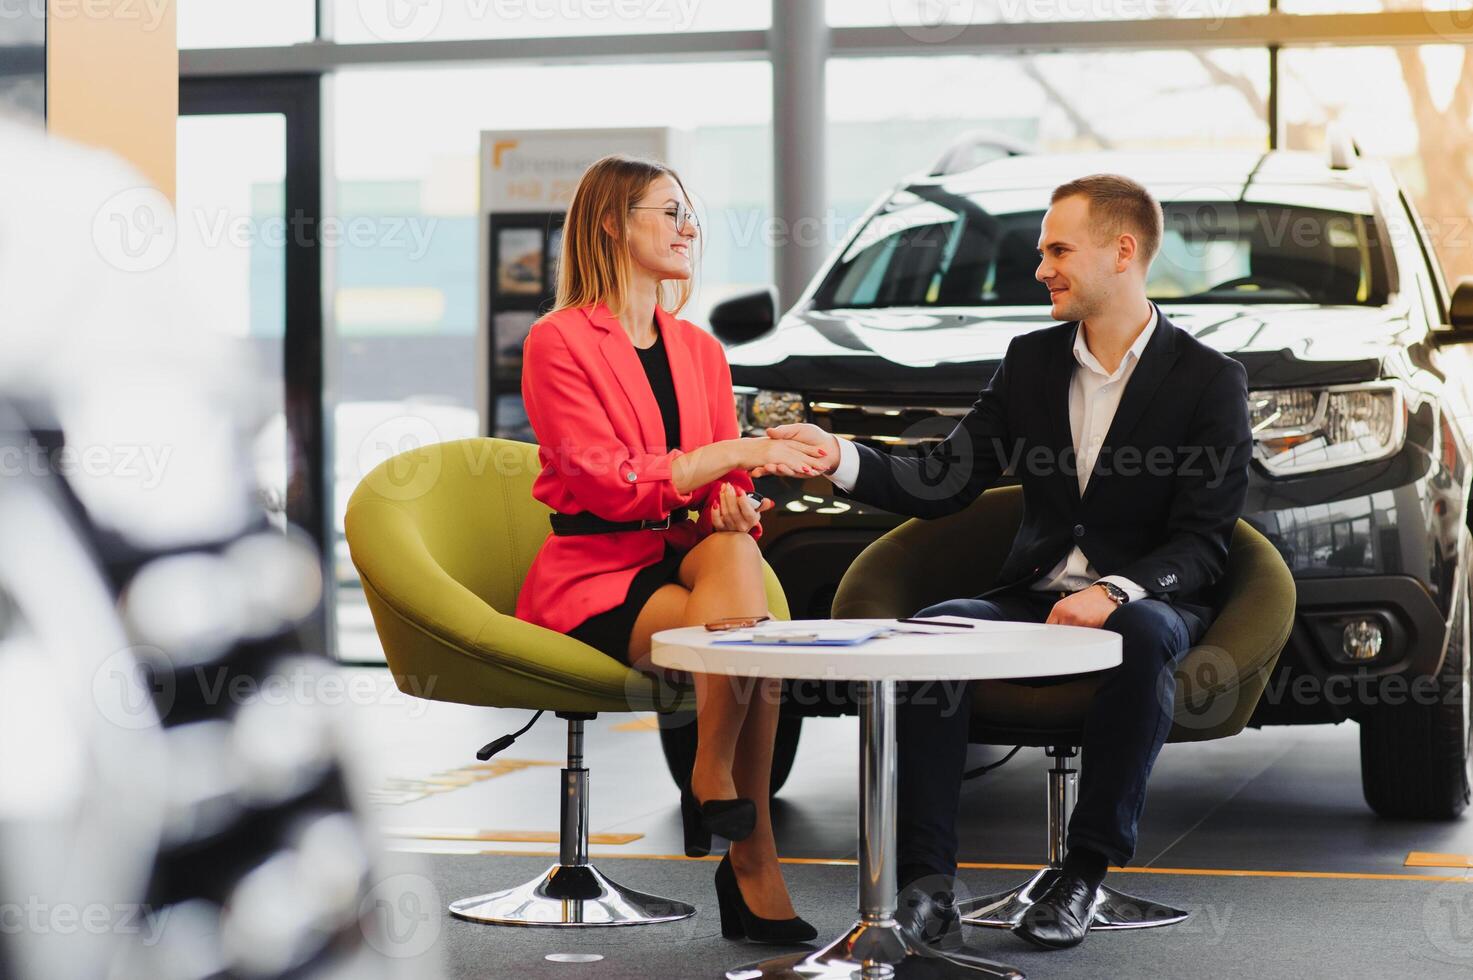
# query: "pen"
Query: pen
{"points": [[934, 622]]}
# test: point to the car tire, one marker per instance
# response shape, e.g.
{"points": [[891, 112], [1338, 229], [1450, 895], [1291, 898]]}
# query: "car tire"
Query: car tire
{"points": [[678, 740], [1416, 760]]}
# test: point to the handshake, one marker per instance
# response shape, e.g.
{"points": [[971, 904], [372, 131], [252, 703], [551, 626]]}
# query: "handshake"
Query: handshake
{"points": [[787, 450], [801, 449]]}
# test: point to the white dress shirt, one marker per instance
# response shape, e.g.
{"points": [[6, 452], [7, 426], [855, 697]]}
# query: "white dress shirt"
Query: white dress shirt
{"points": [[1094, 395]]}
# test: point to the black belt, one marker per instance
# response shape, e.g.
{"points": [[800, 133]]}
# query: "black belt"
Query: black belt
{"points": [[568, 525]]}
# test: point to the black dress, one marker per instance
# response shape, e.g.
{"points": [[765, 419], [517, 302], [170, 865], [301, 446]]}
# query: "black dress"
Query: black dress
{"points": [[609, 631]]}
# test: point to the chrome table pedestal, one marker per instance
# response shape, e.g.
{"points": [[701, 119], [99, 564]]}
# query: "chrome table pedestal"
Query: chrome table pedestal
{"points": [[1113, 909], [875, 947], [571, 892]]}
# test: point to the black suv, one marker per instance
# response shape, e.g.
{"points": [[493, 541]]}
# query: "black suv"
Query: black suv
{"points": [[1315, 275]]}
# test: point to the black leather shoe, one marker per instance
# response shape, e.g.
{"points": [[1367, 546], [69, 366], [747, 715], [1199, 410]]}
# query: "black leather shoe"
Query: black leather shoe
{"points": [[1062, 915], [928, 918], [740, 922], [732, 819]]}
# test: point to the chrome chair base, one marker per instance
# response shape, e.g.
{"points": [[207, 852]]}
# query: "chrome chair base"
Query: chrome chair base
{"points": [[570, 895], [571, 892], [876, 951], [1115, 909]]}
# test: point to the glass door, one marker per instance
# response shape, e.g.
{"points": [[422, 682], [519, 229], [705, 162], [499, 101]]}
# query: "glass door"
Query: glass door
{"points": [[249, 217], [231, 220]]}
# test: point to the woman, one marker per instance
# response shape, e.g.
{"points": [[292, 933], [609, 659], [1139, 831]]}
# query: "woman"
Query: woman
{"points": [[636, 427]]}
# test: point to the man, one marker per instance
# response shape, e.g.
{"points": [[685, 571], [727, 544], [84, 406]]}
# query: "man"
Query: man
{"points": [[1131, 441]]}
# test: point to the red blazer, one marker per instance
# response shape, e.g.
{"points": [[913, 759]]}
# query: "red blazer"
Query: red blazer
{"points": [[599, 433]]}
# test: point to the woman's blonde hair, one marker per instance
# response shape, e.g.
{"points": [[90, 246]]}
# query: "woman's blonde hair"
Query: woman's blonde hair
{"points": [[595, 266]]}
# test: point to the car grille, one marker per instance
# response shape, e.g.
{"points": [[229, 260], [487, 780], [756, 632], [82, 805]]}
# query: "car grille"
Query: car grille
{"points": [[886, 424]]}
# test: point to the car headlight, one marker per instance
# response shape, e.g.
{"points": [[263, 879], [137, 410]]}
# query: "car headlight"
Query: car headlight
{"points": [[1300, 430], [758, 408]]}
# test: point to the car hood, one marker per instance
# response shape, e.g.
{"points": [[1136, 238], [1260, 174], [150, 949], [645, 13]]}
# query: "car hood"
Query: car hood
{"points": [[956, 350]]}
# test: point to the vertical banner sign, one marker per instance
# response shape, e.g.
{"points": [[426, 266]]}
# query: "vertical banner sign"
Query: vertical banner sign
{"points": [[527, 178]]}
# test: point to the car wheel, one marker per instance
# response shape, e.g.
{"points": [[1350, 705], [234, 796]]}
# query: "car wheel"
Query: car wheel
{"points": [[1417, 758], [678, 740]]}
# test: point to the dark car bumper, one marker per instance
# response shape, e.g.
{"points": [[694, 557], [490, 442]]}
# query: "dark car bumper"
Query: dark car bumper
{"points": [[1316, 681]]}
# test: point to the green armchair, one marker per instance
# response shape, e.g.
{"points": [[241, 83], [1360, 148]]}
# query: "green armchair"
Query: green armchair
{"points": [[1219, 681], [442, 537]]}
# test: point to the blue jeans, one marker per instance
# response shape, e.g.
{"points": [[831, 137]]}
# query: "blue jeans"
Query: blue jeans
{"points": [[1124, 729]]}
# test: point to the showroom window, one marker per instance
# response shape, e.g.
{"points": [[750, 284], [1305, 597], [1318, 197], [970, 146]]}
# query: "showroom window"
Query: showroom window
{"points": [[889, 118], [23, 82], [1408, 106], [219, 24], [938, 20], [396, 21], [1361, 6]]}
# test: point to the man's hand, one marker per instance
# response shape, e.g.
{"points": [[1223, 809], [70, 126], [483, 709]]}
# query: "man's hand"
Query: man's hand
{"points": [[1087, 607], [809, 434]]}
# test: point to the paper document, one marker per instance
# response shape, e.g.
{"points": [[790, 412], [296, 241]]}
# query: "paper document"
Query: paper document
{"points": [[812, 632]]}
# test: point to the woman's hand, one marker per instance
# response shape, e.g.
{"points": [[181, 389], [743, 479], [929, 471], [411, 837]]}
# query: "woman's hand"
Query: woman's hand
{"points": [[806, 433], [785, 457], [732, 511]]}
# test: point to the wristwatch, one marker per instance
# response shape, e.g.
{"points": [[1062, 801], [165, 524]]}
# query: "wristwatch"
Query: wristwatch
{"points": [[1115, 592]]}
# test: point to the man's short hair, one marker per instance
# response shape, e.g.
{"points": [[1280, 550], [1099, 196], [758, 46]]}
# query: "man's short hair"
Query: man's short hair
{"points": [[1118, 205]]}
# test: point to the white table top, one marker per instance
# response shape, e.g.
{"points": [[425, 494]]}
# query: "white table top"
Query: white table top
{"points": [[988, 650]]}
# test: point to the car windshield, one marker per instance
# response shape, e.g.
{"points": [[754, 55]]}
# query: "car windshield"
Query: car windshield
{"points": [[942, 249]]}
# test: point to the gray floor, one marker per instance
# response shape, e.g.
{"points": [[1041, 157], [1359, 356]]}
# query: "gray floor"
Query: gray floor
{"points": [[1241, 927], [1277, 800]]}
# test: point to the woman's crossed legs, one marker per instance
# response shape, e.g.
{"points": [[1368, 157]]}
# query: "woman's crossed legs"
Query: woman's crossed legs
{"points": [[736, 717]]}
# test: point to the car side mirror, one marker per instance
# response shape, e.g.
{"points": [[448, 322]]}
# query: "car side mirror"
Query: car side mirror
{"points": [[1460, 310], [745, 317]]}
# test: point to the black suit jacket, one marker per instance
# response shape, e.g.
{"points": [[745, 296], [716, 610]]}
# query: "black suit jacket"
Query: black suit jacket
{"points": [[1168, 484]]}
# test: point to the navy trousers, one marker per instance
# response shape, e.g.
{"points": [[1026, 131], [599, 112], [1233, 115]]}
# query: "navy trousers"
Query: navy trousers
{"points": [[1123, 732]]}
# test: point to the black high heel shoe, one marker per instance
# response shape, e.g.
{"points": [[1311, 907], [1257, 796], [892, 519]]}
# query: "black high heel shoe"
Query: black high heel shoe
{"points": [[737, 921], [732, 819]]}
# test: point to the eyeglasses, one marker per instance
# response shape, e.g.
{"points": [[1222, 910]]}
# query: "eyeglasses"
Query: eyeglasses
{"points": [[735, 623], [677, 213]]}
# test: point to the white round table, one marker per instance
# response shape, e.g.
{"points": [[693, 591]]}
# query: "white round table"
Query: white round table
{"points": [[875, 948]]}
